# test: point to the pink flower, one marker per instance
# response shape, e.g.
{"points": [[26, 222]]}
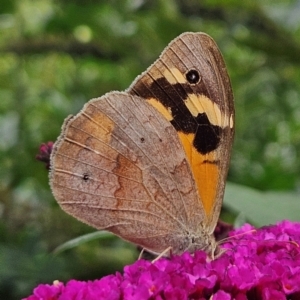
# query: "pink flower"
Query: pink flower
{"points": [[44, 153], [257, 264], [46, 291]]}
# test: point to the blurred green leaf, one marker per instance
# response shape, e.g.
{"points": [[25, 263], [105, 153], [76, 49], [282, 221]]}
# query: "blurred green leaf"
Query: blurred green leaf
{"points": [[262, 208]]}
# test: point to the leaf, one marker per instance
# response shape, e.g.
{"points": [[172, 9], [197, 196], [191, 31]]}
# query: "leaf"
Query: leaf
{"points": [[262, 208], [81, 240]]}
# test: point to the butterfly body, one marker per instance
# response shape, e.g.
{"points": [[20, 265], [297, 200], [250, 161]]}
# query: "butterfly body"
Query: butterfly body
{"points": [[150, 164]]}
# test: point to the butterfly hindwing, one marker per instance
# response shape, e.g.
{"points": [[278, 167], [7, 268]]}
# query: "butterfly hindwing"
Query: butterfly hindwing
{"points": [[118, 165]]}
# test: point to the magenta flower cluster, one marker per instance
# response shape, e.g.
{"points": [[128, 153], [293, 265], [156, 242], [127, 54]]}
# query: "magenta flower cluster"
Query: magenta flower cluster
{"points": [[44, 153], [256, 264]]}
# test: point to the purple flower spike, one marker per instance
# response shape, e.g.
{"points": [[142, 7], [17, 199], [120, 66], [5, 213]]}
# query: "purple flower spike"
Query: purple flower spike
{"points": [[256, 264], [44, 153]]}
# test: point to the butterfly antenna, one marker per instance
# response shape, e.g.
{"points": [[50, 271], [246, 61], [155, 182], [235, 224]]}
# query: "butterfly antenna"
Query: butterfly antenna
{"points": [[234, 236]]}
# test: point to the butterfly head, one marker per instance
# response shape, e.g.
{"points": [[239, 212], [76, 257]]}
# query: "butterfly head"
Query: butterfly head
{"points": [[193, 242]]}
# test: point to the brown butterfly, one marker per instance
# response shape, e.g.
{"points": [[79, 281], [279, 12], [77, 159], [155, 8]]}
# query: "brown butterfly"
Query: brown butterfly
{"points": [[150, 164]]}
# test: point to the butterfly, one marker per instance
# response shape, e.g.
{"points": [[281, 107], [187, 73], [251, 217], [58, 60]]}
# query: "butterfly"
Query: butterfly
{"points": [[150, 164]]}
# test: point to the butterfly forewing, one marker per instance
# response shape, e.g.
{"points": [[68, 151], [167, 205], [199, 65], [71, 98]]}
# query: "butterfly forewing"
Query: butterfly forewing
{"points": [[190, 87]]}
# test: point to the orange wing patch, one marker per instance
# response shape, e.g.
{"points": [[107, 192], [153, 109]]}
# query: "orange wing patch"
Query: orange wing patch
{"points": [[205, 169]]}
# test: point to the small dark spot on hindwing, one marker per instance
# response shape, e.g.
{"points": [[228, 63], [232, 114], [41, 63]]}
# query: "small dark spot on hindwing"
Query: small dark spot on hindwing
{"points": [[85, 177]]}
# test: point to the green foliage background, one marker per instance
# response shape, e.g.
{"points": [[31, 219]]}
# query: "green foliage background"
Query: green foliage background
{"points": [[57, 54]]}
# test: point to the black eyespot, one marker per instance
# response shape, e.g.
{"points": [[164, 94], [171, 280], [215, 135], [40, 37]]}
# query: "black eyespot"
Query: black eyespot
{"points": [[85, 177], [192, 76], [193, 240], [142, 140]]}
